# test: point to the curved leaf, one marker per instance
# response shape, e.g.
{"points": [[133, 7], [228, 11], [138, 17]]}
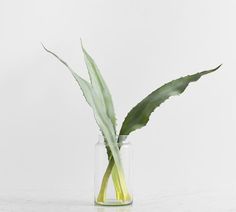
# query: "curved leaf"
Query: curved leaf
{"points": [[103, 120], [84, 85], [100, 86], [95, 102], [138, 117]]}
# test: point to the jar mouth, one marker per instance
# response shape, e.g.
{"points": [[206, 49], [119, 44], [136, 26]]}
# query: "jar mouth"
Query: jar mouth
{"points": [[120, 139]]}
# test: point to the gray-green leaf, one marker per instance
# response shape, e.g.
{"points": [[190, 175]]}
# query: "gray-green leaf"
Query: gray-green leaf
{"points": [[138, 117], [100, 114], [99, 86]]}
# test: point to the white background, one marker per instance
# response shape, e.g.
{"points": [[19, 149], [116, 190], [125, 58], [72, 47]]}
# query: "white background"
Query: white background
{"points": [[47, 131]]}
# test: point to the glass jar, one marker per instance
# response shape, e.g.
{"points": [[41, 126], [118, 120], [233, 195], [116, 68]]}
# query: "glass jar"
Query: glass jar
{"points": [[113, 186]]}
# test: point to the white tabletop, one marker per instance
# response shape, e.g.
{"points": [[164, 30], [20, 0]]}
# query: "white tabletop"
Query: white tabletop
{"points": [[198, 200]]}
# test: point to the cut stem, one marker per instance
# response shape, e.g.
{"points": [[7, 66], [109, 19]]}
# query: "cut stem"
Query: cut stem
{"points": [[118, 181]]}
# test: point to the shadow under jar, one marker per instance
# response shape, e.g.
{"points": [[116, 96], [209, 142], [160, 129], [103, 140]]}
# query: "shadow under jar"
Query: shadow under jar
{"points": [[113, 184]]}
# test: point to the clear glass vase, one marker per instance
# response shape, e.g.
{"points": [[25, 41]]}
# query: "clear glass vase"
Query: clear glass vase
{"points": [[113, 186]]}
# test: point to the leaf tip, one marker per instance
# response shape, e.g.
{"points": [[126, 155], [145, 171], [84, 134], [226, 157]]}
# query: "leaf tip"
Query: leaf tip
{"points": [[82, 46], [213, 70], [218, 66], [44, 47], [47, 50]]}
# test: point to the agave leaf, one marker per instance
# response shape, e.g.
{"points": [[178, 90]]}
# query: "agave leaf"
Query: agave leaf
{"points": [[138, 117], [92, 98], [102, 92], [84, 85], [104, 122], [99, 86]]}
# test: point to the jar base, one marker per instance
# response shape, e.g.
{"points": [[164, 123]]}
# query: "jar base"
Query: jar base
{"points": [[113, 202]]}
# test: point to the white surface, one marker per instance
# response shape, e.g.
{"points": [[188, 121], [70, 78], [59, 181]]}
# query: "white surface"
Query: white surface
{"points": [[47, 131], [207, 200]]}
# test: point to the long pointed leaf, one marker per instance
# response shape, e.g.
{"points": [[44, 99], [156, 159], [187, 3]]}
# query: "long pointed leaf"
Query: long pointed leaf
{"points": [[84, 85], [101, 117], [138, 117], [90, 95], [99, 86]]}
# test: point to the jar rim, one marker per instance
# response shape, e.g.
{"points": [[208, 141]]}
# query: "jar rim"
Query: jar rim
{"points": [[122, 138]]}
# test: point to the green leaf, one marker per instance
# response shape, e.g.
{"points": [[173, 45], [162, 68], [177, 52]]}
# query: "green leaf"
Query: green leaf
{"points": [[93, 100], [138, 117], [99, 86], [103, 93], [84, 85], [100, 113]]}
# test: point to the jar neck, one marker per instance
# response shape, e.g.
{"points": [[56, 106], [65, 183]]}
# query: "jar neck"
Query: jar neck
{"points": [[121, 139]]}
